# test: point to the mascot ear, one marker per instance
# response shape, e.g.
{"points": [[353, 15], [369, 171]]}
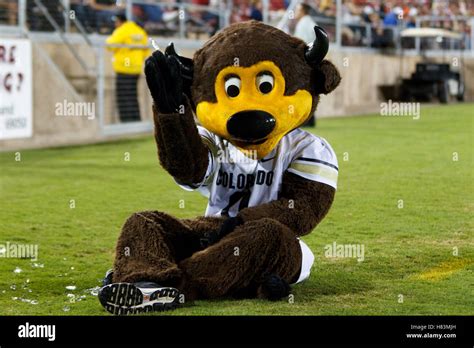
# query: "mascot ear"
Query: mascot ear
{"points": [[325, 75]]}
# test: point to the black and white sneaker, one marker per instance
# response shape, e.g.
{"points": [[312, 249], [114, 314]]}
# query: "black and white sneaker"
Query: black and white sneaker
{"points": [[108, 277], [141, 297]]}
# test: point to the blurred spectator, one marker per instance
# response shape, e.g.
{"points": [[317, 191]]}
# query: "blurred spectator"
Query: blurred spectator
{"points": [[83, 14], [305, 24], [198, 19], [151, 12], [256, 10], [324, 5], [103, 11], [411, 21], [377, 28], [37, 20], [128, 65], [391, 18], [351, 23], [150, 16], [163, 19], [240, 11], [8, 11], [276, 5], [351, 13], [211, 19], [328, 8]]}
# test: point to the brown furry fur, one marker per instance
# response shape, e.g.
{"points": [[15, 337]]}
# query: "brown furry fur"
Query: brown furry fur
{"points": [[242, 258], [180, 148], [158, 247], [310, 201], [155, 246], [151, 244]]}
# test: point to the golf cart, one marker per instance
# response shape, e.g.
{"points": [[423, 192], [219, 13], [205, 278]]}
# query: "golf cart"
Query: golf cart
{"points": [[432, 79]]}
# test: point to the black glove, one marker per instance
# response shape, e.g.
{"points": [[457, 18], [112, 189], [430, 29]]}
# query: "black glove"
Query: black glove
{"points": [[227, 227], [169, 78], [186, 68]]}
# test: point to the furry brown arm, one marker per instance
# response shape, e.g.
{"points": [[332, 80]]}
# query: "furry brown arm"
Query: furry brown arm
{"points": [[180, 148], [302, 204]]}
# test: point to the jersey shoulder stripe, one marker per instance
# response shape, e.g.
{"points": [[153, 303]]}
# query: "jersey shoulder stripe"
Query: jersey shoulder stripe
{"points": [[314, 160], [314, 172]]}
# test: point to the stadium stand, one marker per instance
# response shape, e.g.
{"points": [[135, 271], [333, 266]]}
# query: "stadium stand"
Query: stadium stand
{"points": [[69, 39]]}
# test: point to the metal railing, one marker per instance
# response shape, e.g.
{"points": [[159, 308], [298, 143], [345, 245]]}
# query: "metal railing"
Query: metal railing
{"points": [[59, 30], [367, 34], [123, 101], [185, 19], [116, 117], [180, 19], [435, 21]]}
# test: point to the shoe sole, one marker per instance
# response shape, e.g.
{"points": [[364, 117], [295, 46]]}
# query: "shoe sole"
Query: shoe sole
{"points": [[126, 299]]}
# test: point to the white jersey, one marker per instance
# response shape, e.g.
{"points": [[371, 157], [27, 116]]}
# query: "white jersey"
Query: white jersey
{"points": [[234, 181]]}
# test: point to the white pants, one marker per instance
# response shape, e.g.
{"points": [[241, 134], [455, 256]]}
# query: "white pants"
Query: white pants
{"points": [[307, 260]]}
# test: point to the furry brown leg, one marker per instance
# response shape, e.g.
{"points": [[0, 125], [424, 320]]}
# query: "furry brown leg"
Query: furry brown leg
{"points": [[243, 259], [151, 243]]}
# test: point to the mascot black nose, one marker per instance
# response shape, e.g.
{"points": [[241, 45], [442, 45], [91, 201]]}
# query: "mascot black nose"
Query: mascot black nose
{"points": [[250, 126]]}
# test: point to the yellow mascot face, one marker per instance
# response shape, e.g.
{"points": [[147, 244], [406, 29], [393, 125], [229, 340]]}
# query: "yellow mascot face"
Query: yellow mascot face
{"points": [[251, 110]]}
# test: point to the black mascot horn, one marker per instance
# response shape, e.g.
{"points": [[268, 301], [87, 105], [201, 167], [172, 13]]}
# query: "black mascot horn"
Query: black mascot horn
{"points": [[317, 50]]}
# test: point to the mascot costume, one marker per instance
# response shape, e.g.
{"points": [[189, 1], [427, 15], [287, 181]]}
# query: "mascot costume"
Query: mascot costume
{"points": [[268, 182]]}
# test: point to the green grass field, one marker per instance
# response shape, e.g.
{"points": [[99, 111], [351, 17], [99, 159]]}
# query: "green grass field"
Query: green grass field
{"points": [[409, 266]]}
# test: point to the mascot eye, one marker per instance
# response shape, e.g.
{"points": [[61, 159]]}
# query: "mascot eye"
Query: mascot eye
{"points": [[232, 86], [265, 82]]}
